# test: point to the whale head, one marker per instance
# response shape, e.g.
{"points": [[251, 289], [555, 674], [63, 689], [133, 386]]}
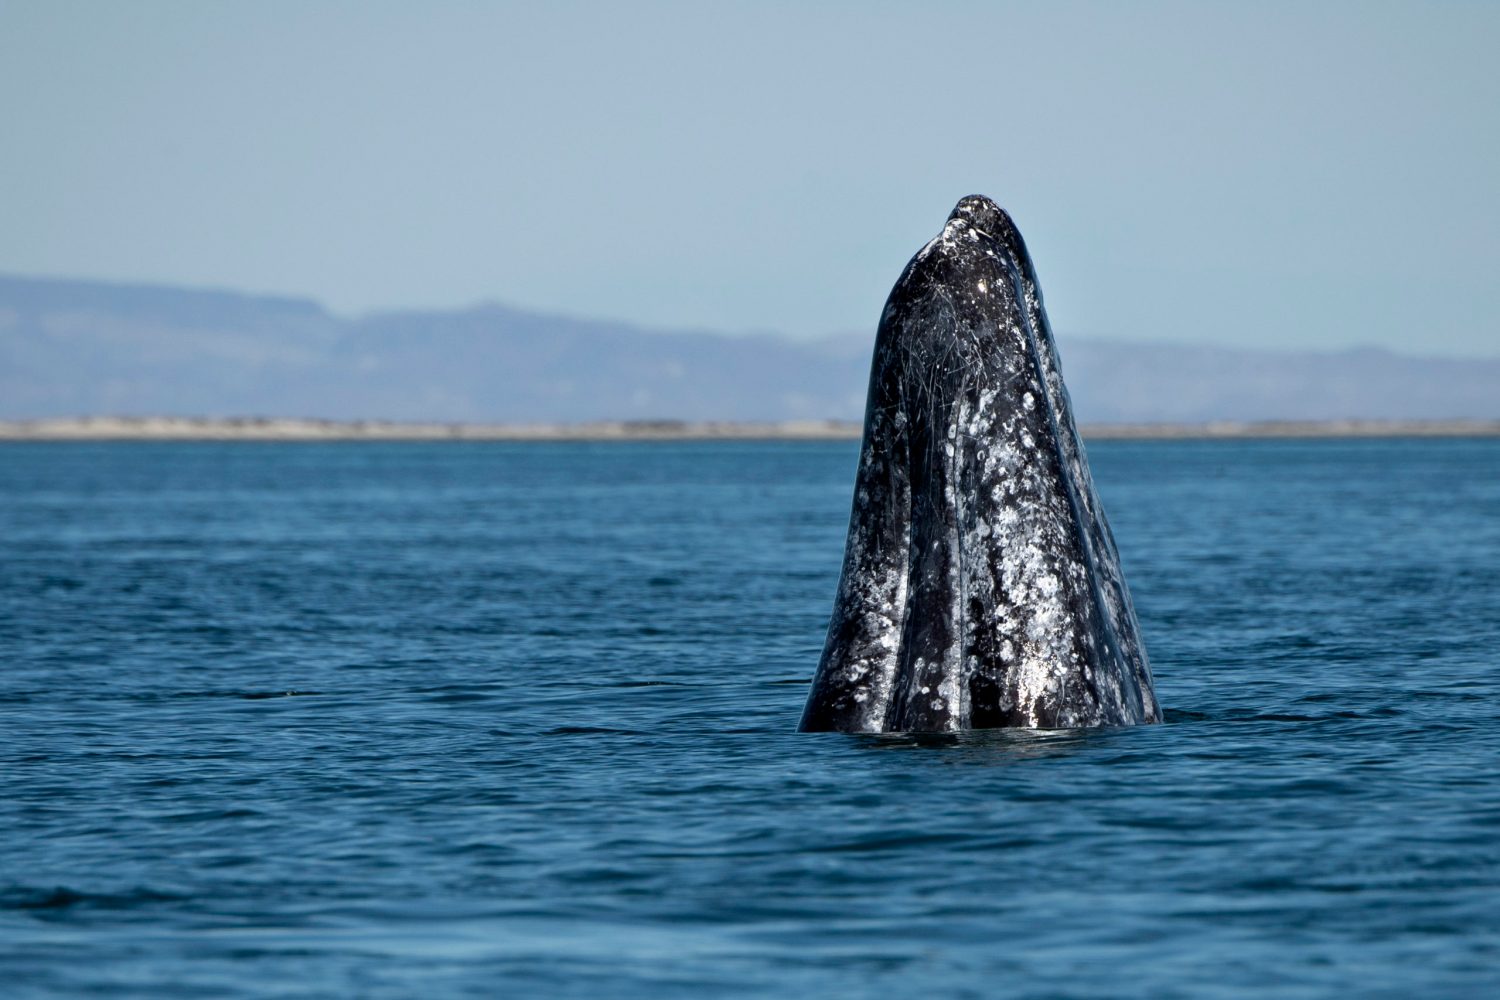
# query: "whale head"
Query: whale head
{"points": [[981, 587]]}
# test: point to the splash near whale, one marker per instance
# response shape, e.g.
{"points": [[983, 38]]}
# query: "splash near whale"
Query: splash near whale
{"points": [[981, 587]]}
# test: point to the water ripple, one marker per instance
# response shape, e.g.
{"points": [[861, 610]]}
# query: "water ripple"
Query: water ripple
{"points": [[468, 719]]}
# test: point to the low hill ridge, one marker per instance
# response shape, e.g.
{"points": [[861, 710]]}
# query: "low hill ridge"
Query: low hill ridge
{"points": [[81, 348]]}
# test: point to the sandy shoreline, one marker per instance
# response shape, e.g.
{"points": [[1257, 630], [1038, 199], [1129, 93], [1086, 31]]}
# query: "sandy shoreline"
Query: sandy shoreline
{"points": [[283, 429]]}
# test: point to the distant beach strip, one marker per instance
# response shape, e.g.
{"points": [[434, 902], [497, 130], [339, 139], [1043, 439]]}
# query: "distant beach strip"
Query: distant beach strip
{"points": [[287, 429]]}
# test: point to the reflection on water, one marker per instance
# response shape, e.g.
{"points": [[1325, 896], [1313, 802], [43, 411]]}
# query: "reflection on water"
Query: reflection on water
{"points": [[995, 746]]}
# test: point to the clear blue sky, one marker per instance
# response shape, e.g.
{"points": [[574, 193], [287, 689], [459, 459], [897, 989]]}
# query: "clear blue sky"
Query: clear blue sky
{"points": [[1317, 175]]}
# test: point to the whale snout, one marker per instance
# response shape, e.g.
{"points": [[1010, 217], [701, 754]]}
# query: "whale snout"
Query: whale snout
{"points": [[983, 214]]}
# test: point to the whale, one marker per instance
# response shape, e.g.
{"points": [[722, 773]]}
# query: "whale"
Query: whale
{"points": [[981, 585]]}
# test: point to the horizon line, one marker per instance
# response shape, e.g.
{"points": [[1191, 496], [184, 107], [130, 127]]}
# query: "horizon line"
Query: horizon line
{"points": [[288, 429]]}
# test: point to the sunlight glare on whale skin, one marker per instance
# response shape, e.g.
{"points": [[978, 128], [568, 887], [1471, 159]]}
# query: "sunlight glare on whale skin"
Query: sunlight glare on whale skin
{"points": [[981, 586]]}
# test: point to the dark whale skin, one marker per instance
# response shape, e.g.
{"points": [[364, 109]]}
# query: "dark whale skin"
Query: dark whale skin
{"points": [[981, 587]]}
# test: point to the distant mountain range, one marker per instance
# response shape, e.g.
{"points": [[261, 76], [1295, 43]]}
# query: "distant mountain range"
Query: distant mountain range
{"points": [[81, 348]]}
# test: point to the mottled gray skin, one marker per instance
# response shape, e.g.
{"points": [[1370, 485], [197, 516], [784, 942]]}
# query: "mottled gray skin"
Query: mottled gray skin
{"points": [[981, 586]]}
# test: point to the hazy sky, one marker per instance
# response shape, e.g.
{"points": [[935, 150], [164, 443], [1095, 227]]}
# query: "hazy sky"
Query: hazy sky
{"points": [[1260, 174]]}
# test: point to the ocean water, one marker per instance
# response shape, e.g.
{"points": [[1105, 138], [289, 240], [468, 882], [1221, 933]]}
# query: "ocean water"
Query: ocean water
{"points": [[472, 719]]}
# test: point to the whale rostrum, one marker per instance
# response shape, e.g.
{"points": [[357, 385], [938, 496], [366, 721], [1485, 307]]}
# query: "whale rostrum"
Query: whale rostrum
{"points": [[981, 586]]}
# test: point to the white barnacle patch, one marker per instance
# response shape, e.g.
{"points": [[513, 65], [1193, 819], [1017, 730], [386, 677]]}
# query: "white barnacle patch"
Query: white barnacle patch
{"points": [[948, 690], [983, 288], [1028, 401]]}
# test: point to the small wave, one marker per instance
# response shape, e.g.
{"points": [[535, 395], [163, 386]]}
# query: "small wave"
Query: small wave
{"points": [[1383, 712], [639, 684], [258, 695], [63, 898], [193, 695], [210, 815]]}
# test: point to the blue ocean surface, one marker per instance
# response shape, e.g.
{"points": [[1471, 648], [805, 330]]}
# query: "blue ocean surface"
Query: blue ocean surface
{"points": [[483, 719]]}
